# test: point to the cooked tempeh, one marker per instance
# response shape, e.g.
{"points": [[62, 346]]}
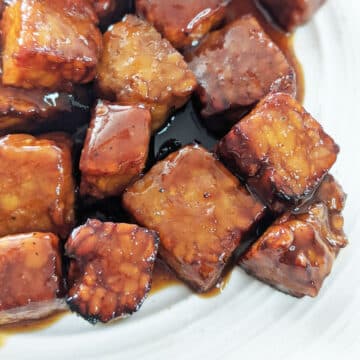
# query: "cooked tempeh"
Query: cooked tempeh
{"points": [[292, 13], [49, 43], [236, 67], [115, 149], [200, 211], [281, 151], [183, 22], [138, 67], [110, 269], [37, 187], [31, 283]]}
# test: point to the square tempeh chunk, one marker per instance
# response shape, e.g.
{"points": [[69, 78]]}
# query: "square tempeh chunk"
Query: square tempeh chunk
{"points": [[297, 252], [115, 149], [30, 277], [237, 66], [183, 22], [49, 43], [200, 211], [37, 187], [31, 109], [281, 151], [139, 67], [324, 211], [291, 13], [110, 270]]}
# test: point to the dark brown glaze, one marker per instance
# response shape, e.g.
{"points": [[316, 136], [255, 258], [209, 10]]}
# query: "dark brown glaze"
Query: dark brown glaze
{"points": [[283, 40], [37, 187], [30, 110], [49, 43], [138, 67], [290, 256], [110, 11], [297, 252], [30, 277], [163, 277], [115, 149], [2, 7], [324, 212], [292, 13], [236, 67], [183, 22], [200, 211], [110, 269], [281, 151]]}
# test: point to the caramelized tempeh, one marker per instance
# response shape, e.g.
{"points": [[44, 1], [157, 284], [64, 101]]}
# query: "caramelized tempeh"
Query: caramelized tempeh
{"points": [[115, 149], [297, 252], [49, 43], [30, 277], [139, 67], [32, 109], [236, 67], [292, 13], [37, 187], [281, 150], [110, 269], [200, 210], [183, 22]]}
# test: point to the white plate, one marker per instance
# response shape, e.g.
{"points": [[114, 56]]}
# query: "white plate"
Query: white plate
{"points": [[251, 319]]}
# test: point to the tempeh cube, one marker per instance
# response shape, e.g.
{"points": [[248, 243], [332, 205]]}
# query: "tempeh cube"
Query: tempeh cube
{"points": [[49, 43], [236, 67], [200, 211], [110, 269], [115, 149], [37, 187], [138, 67], [297, 252], [292, 13], [31, 284], [281, 151], [33, 109], [183, 22]]}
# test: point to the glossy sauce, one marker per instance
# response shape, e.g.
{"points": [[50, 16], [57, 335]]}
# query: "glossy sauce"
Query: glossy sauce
{"points": [[184, 127]]}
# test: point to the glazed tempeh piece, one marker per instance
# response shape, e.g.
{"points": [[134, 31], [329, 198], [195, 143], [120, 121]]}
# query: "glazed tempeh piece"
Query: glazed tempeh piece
{"points": [[37, 187], [49, 43], [281, 151], [139, 67], [325, 213], [30, 277], [297, 252], [237, 66], [200, 211], [115, 149], [183, 22], [291, 13], [110, 270], [31, 109]]}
